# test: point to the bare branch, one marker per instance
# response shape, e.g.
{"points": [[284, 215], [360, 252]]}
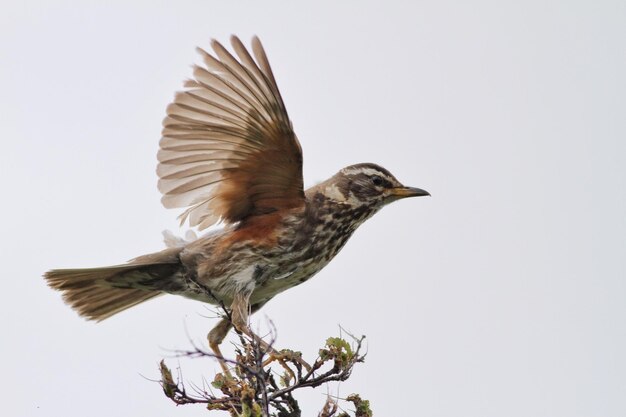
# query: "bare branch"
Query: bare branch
{"points": [[255, 389]]}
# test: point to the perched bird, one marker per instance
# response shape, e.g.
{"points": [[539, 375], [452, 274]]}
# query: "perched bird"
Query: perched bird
{"points": [[229, 154]]}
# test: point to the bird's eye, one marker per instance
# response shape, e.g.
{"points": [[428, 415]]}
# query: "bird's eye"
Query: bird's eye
{"points": [[377, 181]]}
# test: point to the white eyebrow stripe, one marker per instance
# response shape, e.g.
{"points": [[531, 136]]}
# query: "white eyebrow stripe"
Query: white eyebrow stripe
{"points": [[366, 171]]}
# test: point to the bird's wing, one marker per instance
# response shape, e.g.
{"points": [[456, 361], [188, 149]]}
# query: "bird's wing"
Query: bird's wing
{"points": [[228, 150]]}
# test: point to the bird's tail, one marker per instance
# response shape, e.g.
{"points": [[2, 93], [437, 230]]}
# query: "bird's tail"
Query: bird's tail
{"points": [[99, 293]]}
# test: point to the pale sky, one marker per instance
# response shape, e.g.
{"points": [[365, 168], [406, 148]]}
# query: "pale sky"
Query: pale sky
{"points": [[502, 295]]}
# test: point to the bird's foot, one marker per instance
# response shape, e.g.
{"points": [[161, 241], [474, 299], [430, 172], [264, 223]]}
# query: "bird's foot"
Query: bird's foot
{"points": [[284, 356], [225, 368]]}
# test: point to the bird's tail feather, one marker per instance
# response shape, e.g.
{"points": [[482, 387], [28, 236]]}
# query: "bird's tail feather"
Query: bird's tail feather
{"points": [[99, 293]]}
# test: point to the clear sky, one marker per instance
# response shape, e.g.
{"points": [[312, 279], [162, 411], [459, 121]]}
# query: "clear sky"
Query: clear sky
{"points": [[502, 295]]}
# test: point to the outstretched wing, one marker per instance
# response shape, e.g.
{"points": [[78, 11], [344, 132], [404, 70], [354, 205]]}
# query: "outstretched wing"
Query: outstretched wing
{"points": [[228, 150]]}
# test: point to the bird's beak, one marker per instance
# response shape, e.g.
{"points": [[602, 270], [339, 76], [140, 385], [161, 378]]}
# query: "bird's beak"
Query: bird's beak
{"points": [[403, 192]]}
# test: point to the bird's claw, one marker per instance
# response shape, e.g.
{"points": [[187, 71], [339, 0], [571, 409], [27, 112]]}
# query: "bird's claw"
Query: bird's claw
{"points": [[284, 356]]}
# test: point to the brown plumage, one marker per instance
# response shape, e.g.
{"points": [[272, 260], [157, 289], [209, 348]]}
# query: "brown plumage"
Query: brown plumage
{"points": [[229, 154]]}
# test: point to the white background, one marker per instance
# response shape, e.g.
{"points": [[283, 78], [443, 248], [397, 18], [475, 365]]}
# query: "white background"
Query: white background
{"points": [[502, 295]]}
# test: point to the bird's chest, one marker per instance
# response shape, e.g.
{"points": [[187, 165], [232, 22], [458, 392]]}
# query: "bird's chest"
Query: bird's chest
{"points": [[304, 253], [304, 246], [281, 276]]}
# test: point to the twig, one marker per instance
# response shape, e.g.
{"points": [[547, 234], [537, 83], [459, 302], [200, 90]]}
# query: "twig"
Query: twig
{"points": [[253, 390]]}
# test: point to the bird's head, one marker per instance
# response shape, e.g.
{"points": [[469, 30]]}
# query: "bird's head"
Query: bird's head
{"points": [[368, 184]]}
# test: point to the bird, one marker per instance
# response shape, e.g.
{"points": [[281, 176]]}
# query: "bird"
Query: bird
{"points": [[230, 158]]}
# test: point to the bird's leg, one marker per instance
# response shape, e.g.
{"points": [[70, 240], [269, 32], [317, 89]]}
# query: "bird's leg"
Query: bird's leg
{"points": [[240, 311], [239, 314], [216, 336]]}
